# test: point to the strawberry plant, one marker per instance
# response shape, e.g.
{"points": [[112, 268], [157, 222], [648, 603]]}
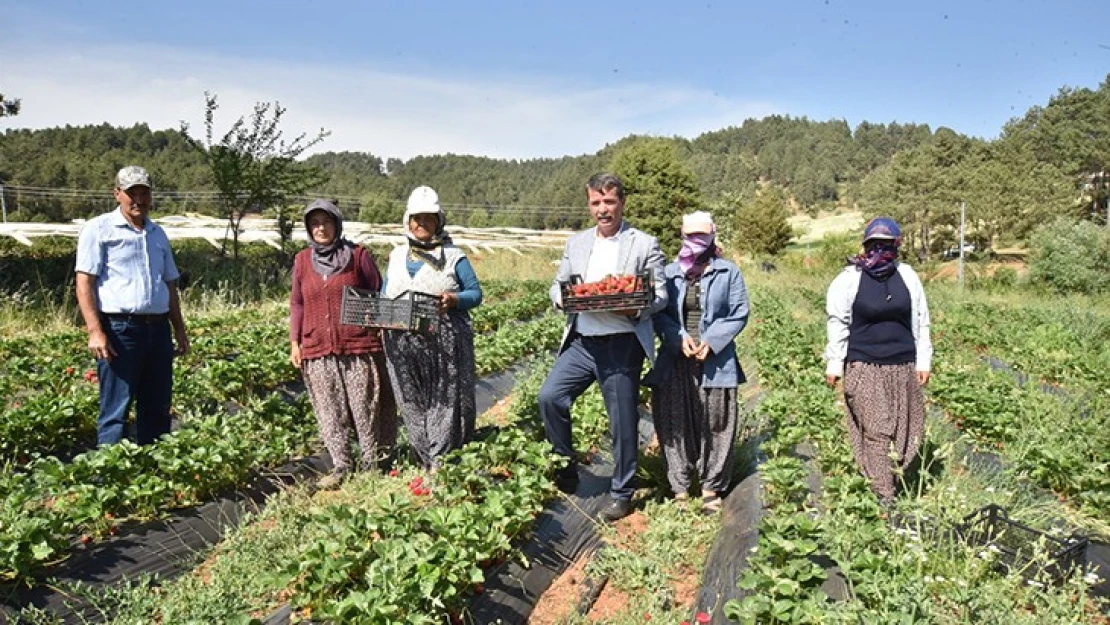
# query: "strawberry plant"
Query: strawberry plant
{"points": [[52, 502], [891, 573], [509, 344], [420, 559], [488, 318]]}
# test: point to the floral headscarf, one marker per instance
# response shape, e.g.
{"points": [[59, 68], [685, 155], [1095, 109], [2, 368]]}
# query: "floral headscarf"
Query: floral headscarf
{"points": [[882, 239]]}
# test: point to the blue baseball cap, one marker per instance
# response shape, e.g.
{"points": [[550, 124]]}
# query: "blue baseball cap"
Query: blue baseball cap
{"points": [[882, 228]]}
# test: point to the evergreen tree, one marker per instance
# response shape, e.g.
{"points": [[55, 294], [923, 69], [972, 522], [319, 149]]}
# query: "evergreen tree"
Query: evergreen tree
{"points": [[379, 208], [659, 189], [759, 224], [8, 108]]}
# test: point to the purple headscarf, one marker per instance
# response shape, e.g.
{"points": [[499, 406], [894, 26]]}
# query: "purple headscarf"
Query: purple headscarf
{"points": [[334, 257]]}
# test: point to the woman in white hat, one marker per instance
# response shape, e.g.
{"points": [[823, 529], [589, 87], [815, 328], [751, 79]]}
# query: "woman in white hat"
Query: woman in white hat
{"points": [[433, 374], [694, 402]]}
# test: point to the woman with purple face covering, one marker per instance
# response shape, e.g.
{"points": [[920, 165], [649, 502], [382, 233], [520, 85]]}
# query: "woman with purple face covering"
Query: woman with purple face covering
{"points": [[694, 401], [878, 342]]}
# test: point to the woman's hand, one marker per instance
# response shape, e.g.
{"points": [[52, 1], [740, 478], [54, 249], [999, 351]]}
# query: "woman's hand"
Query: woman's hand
{"points": [[702, 352], [831, 380], [448, 300], [922, 377], [295, 355], [689, 346]]}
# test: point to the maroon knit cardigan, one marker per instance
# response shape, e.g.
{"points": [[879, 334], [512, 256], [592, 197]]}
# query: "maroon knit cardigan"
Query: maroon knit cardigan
{"points": [[315, 304]]}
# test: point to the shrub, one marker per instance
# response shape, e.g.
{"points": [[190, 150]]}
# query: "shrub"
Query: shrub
{"points": [[1004, 278], [1071, 257]]}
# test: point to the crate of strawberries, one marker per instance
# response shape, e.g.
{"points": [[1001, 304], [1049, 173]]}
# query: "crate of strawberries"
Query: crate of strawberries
{"points": [[611, 293]]}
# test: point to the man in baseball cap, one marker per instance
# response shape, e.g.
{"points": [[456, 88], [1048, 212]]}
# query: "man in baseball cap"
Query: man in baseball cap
{"points": [[131, 176], [127, 292]]}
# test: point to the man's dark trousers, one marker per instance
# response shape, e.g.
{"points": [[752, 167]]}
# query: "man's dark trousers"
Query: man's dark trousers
{"points": [[614, 361], [142, 370]]}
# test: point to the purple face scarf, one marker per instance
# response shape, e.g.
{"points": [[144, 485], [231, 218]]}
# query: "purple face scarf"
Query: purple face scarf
{"points": [[880, 261], [697, 250]]}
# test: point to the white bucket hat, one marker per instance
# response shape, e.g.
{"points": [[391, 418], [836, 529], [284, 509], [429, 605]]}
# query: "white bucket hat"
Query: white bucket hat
{"points": [[698, 221]]}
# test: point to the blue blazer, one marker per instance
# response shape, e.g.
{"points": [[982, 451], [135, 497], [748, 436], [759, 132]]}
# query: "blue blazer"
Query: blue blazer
{"points": [[724, 304]]}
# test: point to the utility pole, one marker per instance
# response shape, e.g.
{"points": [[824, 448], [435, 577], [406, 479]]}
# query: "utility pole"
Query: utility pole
{"points": [[963, 215], [1105, 195], [3, 203]]}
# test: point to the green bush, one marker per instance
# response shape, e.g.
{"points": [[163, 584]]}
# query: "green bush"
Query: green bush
{"points": [[1004, 277], [1071, 257], [827, 256], [43, 273]]}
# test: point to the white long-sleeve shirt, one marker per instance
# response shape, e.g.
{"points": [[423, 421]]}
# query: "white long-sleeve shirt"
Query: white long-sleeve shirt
{"points": [[838, 305]]}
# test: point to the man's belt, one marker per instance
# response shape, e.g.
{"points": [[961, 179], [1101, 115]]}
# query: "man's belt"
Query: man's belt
{"points": [[138, 318]]}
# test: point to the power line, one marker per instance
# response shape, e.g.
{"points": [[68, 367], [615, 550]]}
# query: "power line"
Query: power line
{"points": [[57, 193]]}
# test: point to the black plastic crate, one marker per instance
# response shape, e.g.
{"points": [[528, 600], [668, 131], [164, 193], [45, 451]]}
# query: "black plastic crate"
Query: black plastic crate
{"points": [[414, 312], [1035, 554], [639, 299]]}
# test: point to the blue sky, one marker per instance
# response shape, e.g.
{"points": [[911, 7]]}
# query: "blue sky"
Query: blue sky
{"points": [[532, 79]]}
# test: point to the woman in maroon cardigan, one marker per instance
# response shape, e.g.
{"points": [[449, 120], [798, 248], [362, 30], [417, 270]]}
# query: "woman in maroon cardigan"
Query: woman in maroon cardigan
{"points": [[343, 365]]}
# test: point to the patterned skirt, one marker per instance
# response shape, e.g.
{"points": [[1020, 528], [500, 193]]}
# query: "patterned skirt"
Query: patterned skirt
{"points": [[351, 389], [886, 420], [696, 427], [433, 378]]}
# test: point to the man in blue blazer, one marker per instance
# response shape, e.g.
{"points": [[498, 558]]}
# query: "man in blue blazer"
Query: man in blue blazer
{"points": [[607, 347]]}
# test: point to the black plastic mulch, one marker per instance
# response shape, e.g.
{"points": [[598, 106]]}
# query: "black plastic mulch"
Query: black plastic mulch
{"points": [[164, 548], [564, 531], [170, 547], [728, 557]]}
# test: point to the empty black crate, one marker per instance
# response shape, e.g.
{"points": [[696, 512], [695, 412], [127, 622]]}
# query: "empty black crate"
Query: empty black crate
{"points": [[1022, 548], [414, 312], [639, 299]]}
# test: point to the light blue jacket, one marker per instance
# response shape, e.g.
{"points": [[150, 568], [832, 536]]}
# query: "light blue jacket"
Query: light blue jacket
{"points": [[638, 252], [724, 304]]}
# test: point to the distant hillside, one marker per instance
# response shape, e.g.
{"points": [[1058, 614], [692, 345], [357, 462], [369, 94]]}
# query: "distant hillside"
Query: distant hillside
{"points": [[811, 159]]}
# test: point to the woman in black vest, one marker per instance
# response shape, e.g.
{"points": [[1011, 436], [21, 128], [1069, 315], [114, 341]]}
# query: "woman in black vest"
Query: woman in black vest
{"points": [[878, 341]]}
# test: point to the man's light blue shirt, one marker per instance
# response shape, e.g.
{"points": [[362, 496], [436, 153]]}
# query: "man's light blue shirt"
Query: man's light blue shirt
{"points": [[131, 266]]}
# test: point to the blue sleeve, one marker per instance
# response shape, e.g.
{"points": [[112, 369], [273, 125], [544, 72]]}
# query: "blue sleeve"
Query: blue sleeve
{"points": [[470, 296], [723, 330], [666, 321], [170, 272], [89, 259]]}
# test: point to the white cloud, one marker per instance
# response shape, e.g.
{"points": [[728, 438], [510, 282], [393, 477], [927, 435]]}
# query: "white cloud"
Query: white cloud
{"points": [[387, 113]]}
